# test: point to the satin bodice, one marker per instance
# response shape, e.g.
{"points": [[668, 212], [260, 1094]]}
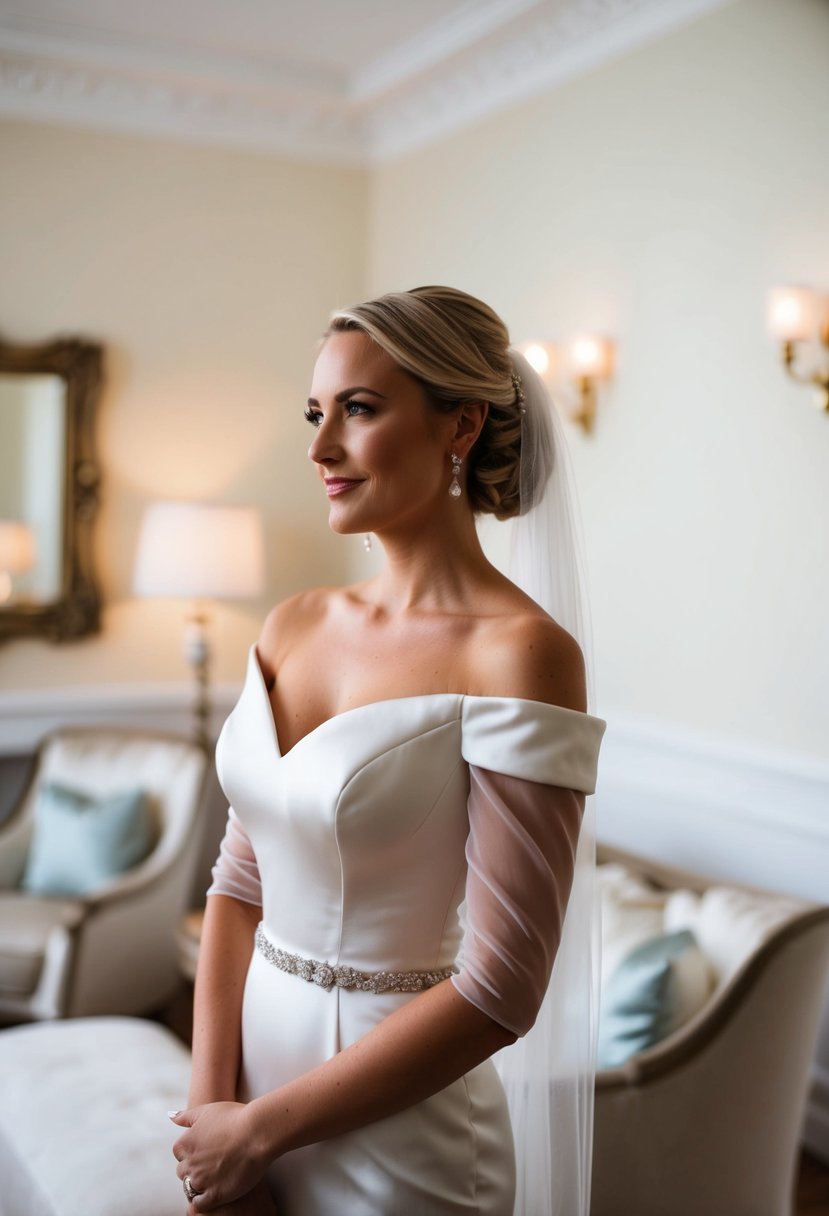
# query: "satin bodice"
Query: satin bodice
{"points": [[361, 826]]}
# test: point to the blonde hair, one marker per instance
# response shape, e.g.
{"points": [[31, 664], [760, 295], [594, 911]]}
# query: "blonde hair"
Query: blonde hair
{"points": [[458, 349]]}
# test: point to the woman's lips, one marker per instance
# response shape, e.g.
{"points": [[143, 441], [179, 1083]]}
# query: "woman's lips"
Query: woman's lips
{"points": [[340, 485]]}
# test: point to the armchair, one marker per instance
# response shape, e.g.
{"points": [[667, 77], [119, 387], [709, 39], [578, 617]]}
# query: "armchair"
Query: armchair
{"points": [[708, 1120], [113, 950]]}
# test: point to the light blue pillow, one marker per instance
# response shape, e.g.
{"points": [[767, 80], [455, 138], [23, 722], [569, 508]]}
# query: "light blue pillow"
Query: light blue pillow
{"points": [[80, 842], [643, 997]]}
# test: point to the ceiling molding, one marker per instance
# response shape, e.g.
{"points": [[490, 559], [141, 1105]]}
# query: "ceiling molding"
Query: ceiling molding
{"points": [[474, 61]]}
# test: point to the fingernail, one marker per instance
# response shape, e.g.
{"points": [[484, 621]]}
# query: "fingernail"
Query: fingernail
{"points": [[171, 1114]]}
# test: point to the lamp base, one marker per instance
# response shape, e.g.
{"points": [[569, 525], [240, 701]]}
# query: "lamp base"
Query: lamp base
{"points": [[197, 654]]}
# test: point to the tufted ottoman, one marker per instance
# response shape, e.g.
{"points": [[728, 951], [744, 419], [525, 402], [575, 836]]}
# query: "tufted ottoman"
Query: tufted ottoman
{"points": [[83, 1118]]}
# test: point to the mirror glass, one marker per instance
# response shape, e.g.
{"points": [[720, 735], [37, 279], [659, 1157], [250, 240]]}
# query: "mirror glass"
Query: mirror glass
{"points": [[48, 488], [32, 489]]}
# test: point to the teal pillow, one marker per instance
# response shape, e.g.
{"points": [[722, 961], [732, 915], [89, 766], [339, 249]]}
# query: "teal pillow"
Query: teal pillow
{"points": [[653, 990], [79, 842]]}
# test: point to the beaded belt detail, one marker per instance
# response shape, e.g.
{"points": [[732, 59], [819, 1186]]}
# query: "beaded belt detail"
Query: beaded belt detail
{"points": [[327, 976]]}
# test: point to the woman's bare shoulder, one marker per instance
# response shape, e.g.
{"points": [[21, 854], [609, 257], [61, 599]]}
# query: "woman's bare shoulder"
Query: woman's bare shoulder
{"points": [[529, 655], [289, 621]]}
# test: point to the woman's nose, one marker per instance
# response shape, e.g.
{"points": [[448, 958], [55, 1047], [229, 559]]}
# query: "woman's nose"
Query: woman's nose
{"points": [[325, 447]]}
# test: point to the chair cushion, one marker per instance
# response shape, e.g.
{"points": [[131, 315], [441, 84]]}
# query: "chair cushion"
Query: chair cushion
{"points": [[26, 924], [657, 987], [632, 913], [80, 841], [729, 923]]}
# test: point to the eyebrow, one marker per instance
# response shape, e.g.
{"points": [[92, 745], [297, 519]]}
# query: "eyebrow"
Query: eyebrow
{"points": [[349, 392]]}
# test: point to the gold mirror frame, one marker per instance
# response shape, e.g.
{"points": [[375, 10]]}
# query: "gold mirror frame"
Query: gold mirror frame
{"points": [[75, 612]]}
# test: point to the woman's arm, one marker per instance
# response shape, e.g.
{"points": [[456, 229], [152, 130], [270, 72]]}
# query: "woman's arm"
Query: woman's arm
{"points": [[415, 1052], [224, 956]]}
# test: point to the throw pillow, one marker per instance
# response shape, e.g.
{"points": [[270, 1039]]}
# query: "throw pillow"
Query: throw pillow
{"points": [[80, 842], [657, 987]]}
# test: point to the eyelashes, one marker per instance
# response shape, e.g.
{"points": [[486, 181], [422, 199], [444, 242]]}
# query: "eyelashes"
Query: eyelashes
{"points": [[353, 409]]}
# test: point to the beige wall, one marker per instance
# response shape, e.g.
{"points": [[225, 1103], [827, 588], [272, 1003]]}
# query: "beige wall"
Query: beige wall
{"points": [[207, 275], [656, 199]]}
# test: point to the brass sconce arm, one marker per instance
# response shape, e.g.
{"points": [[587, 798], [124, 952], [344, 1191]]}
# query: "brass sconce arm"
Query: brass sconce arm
{"points": [[585, 415], [818, 379]]}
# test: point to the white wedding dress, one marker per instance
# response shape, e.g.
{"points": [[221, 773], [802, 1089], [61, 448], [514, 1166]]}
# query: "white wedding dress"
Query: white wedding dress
{"points": [[361, 836]]}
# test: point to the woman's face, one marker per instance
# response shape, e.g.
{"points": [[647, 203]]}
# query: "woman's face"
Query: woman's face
{"points": [[381, 449]]}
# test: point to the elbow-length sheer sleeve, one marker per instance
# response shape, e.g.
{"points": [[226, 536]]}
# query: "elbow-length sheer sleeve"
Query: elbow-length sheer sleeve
{"points": [[531, 904], [521, 854], [236, 872]]}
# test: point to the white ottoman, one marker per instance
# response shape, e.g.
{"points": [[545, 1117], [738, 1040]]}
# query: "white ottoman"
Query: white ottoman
{"points": [[83, 1118]]}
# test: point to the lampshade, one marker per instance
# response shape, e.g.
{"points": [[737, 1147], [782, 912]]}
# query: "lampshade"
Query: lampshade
{"points": [[194, 551], [17, 546]]}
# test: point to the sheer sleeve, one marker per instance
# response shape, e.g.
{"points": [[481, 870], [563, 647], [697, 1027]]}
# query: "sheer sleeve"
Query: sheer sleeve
{"points": [[236, 872], [521, 854]]}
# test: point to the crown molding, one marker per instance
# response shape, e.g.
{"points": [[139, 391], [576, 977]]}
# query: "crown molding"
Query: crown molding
{"points": [[472, 62]]}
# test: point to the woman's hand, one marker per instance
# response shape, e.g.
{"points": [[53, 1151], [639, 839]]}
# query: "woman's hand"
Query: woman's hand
{"points": [[217, 1153], [258, 1202]]}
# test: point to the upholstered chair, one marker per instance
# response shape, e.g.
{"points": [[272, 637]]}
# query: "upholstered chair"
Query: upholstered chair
{"points": [[708, 1120], [110, 947]]}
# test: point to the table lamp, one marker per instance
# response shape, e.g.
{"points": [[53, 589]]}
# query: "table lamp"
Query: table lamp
{"points": [[200, 553]]}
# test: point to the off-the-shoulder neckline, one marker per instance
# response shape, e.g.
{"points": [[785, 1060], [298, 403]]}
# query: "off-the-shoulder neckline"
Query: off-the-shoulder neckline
{"points": [[543, 706]]}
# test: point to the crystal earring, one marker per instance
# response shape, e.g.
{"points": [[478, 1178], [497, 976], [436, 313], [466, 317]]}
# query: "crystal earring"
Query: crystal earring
{"points": [[455, 485], [367, 542]]}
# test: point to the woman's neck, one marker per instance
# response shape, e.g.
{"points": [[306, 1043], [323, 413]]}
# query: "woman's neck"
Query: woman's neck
{"points": [[439, 568]]}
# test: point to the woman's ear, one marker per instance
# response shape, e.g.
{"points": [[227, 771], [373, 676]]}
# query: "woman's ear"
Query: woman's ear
{"points": [[468, 425]]}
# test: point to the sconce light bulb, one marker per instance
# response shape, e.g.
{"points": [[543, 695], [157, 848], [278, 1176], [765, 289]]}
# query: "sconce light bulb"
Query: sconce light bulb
{"points": [[590, 356], [792, 313], [537, 356]]}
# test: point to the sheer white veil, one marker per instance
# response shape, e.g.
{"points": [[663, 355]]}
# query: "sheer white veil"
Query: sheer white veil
{"points": [[549, 1074]]}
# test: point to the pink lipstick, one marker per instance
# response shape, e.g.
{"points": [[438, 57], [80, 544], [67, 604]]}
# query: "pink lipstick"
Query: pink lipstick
{"points": [[339, 485]]}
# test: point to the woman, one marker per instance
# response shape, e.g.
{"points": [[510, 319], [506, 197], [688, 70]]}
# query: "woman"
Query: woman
{"points": [[401, 745]]}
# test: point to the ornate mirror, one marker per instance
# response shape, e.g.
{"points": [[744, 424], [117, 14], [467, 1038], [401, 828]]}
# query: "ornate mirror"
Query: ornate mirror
{"points": [[48, 488]]}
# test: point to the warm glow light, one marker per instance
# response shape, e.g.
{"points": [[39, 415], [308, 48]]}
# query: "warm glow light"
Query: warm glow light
{"points": [[17, 546], [589, 355], [537, 356], [793, 313], [194, 551]]}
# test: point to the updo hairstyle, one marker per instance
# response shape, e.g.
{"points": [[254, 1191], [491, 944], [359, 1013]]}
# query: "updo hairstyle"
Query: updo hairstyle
{"points": [[458, 349]]}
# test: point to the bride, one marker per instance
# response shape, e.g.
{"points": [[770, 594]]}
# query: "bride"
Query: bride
{"points": [[407, 768]]}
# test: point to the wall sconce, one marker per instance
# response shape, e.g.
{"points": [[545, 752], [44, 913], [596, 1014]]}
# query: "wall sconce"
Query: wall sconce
{"points": [[197, 552], [797, 315], [17, 553], [588, 359]]}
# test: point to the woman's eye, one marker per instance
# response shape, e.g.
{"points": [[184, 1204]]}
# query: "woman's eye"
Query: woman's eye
{"points": [[354, 408], [313, 416]]}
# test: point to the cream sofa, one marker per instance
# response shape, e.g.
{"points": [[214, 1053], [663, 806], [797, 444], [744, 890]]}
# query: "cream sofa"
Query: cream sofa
{"points": [[112, 950], [707, 1122]]}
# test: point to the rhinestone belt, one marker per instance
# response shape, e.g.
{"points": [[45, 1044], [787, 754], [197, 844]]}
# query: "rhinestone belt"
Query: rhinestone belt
{"points": [[327, 976]]}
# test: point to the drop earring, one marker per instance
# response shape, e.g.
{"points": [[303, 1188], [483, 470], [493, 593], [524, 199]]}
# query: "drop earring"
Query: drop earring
{"points": [[367, 542], [455, 485]]}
